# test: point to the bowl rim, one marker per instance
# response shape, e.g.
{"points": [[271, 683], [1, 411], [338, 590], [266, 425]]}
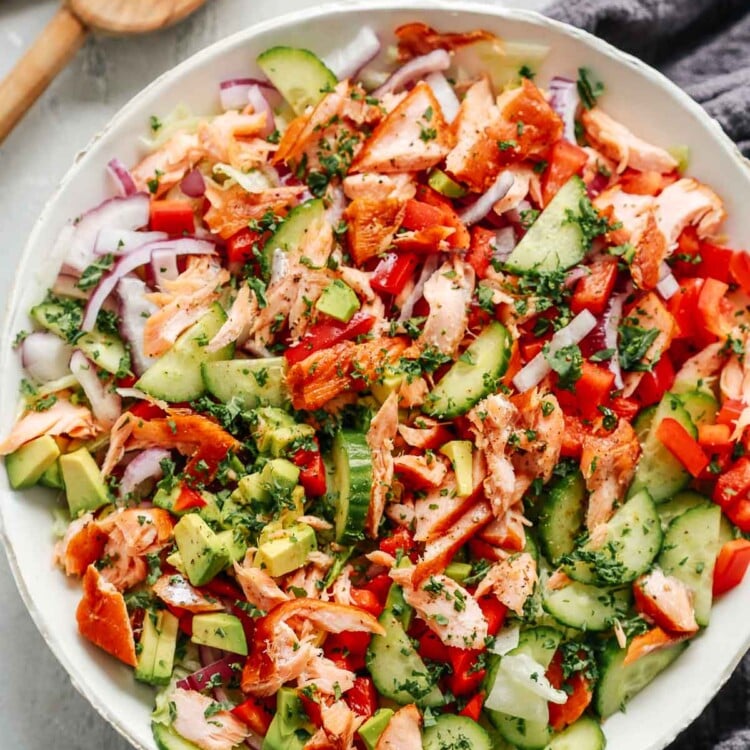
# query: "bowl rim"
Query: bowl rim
{"points": [[166, 78]]}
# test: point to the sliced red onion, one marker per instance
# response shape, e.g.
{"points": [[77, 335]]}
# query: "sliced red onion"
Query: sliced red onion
{"points": [[344, 62], [416, 69], [445, 95], [134, 311], [429, 267], [164, 267], [504, 244], [105, 403], [128, 263], [45, 356], [233, 93], [116, 213], [260, 104], [193, 184], [564, 99], [122, 177], [483, 205], [123, 241], [533, 372], [668, 285], [203, 678], [574, 275], [146, 465], [612, 318], [67, 286]]}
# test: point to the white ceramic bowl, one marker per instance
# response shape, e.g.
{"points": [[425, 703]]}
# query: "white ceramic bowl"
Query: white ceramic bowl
{"points": [[637, 95]]}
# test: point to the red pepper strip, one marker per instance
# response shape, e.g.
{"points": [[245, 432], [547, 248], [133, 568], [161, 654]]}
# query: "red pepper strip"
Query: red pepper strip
{"points": [[348, 648], [366, 600], [731, 565], [172, 217], [730, 412], [592, 292], [326, 335], [466, 677], [431, 647], [702, 259], [565, 160], [572, 444], [739, 268], [579, 693], [421, 215], [473, 708], [683, 307], [494, 612], [401, 539], [656, 383], [626, 408], [480, 250], [379, 585], [393, 271], [312, 709], [460, 238], [254, 714], [731, 493], [681, 444], [312, 474], [362, 697], [709, 306], [593, 388], [187, 499], [715, 436], [240, 246], [146, 411]]}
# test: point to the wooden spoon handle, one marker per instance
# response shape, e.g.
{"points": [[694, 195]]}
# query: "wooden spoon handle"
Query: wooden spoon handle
{"points": [[50, 53]]}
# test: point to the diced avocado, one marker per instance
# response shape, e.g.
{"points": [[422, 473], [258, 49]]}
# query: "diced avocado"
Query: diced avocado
{"points": [[279, 476], [234, 545], [158, 643], [388, 382], [203, 555], [252, 490], [339, 301], [288, 551], [295, 508], [291, 727], [461, 456], [280, 440], [26, 465], [175, 560], [84, 486], [268, 419], [167, 500], [458, 571], [220, 630], [270, 531], [52, 477], [250, 382], [441, 183], [371, 730]]}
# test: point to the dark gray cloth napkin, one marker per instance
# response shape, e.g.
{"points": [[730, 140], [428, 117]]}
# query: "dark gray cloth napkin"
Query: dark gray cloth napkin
{"points": [[704, 46]]}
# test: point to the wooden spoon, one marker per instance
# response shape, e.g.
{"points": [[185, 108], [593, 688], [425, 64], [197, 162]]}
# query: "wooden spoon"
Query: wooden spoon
{"points": [[64, 35]]}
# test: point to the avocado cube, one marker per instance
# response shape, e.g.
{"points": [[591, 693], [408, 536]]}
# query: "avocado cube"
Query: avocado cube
{"points": [[458, 571], [252, 489], [270, 531], [84, 486], [297, 507], [339, 301], [158, 644], [220, 630], [441, 183], [462, 458], [175, 560], [288, 551], [27, 465], [52, 477], [203, 554], [371, 730], [267, 419], [291, 727], [279, 477], [281, 438], [388, 382], [235, 546]]}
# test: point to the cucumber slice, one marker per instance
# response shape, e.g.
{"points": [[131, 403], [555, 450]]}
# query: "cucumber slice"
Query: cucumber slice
{"points": [[553, 242], [701, 406], [539, 643], [659, 471], [176, 376], [450, 731], [251, 382], [618, 682], [397, 670], [642, 423], [473, 376], [352, 483], [301, 76], [447, 186], [562, 516], [586, 607], [167, 739], [525, 735], [291, 232], [679, 504], [584, 734], [691, 545], [632, 542], [104, 349]]}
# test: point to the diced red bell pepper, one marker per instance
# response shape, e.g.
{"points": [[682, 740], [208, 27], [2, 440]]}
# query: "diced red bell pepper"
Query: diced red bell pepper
{"points": [[593, 388], [188, 498], [733, 485], [239, 247], [715, 436], [312, 709], [379, 585], [709, 306], [739, 269], [366, 600], [579, 692], [146, 411], [482, 550], [702, 259], [730, 412], [683, 446], [592, 292], [683, 306], [481, 250], [362, 697], [324, 335], [530, 348], [393, 271], [656, 383], [466, 676], [565, 159], [401, 539], [254, 714], [431, 647], [347, 649], [731, 565], [222, 587], [312, 475], [460, 239], [625, 408], [419, 215], [473, 708], [494, 612], [172, 217]]}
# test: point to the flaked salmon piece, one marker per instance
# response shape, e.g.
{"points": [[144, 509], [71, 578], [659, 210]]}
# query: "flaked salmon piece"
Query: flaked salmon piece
{"points": [[628, 209], [259, 588], [413, 393], [403, 731], [144, 530], [597, 164], [103, 619], [342, 586], [508, 531], [317, 523], [650, 252], [734, 381], [176, 591], [183, 432], [183, 301], [237, 325], [558, 580], [372, 225], [339, 725], [447, 608], [422, 472], [418, 38], [118, 438], [684, 203], [608, 465], [380, 437], [402, 514], [414, 136], [618, 143], [219, 136], [427, 433], [383, 559], [309, 579], [308, 290], [326, 676], [493, 421], [511, 580], [120, 568], [202, 721], [168, 164], [62, 418], [379, 187], [326, 616], [666, 601], [448, 292], [82, 545], [523, 176], [651, 640]]}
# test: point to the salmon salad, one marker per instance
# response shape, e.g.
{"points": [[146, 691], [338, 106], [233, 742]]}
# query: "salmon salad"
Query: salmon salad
{"points": [[398, 403]]}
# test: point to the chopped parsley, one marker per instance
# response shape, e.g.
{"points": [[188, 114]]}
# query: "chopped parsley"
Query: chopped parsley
{"points": [[588, 89], [634, 342], [567, 363], [93, 273], [590, 221]]}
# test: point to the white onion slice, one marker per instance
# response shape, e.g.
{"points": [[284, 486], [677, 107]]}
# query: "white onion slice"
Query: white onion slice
{"points": [[668, 285], [105, 403], [45, 356], [164, 267], [533, 372], [134, 311], [506, 640], [122, 241], [483, 205], [233, 93], [612, 318], [260, 104], [344, 62], [416, 69], [146, 465], [429, 267], [504, 244], [127, 263], [445, 95], [564, 99], [123, 179]]}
